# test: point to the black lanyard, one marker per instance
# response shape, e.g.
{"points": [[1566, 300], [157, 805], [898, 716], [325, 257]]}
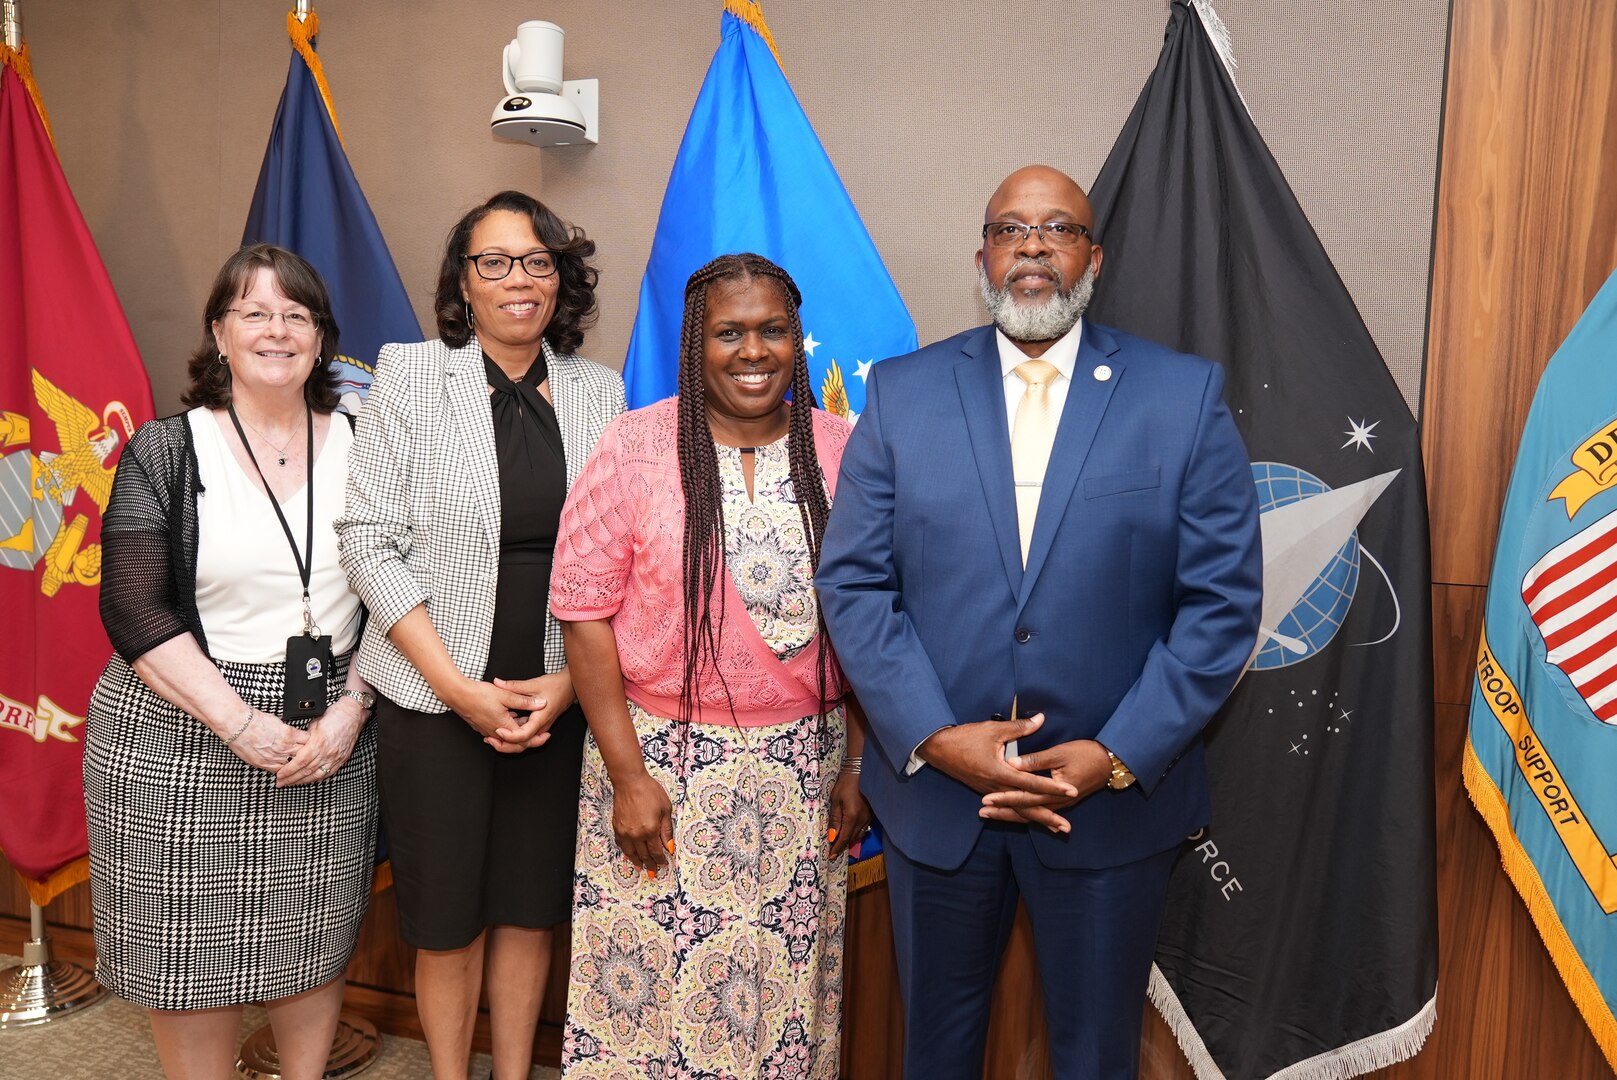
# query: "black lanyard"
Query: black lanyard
{"points": [[304, 568]]}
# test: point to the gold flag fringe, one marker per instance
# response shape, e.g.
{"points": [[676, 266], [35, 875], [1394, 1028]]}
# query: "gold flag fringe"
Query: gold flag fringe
{"points": [[867, 872], [43, 891], [751, 12], [303, 35], [17, 59], [1490, 803]]}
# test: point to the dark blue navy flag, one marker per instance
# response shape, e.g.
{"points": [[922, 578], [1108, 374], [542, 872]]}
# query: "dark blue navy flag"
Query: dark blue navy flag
{"points": [[308, 201], [751, 175], [1300, 938]]}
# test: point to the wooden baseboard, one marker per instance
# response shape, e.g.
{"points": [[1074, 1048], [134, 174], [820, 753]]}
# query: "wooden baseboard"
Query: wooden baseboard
{"points": [[392, 1012]]}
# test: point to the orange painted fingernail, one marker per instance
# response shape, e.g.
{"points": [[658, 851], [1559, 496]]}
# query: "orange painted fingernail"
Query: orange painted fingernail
{"points": [[652, 874], [830, 836], [670, 847]]}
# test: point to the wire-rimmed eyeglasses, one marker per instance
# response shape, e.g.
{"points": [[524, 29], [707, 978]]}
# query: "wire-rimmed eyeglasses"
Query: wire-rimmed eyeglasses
{"points": [[296, 322], [1060, 234]]}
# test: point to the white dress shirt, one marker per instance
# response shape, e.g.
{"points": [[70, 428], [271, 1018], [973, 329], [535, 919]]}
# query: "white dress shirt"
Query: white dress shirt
{"points": [[1063, 355]]}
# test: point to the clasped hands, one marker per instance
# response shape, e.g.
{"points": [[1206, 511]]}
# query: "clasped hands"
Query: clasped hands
{"points": [[297, 756], [1012, 788], [513, 715]]}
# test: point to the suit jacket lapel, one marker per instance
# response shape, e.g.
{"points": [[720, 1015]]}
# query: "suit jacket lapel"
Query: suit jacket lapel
{"points": [[469, 414], [1087, 399], [982, 398]]}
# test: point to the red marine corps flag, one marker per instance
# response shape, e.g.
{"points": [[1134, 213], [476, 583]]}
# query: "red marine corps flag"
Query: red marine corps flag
{"points": [[72, 391]]}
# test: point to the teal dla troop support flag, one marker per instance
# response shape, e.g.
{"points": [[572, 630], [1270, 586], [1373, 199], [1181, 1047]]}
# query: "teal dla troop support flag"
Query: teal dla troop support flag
{"points": [[1541, 757], [751, 175]]}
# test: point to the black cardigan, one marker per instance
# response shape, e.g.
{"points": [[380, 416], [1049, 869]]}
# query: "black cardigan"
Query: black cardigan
{"points": [[149, 541]]}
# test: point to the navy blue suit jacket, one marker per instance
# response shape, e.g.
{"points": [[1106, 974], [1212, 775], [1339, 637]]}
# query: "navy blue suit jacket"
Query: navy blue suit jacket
{"points": [[1136, 613]]}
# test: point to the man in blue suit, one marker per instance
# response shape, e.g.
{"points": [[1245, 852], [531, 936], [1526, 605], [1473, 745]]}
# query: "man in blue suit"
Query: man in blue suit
{"points": [[1038, 647]]}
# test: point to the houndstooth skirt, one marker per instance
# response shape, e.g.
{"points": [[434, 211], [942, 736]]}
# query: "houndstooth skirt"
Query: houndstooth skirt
{"points": [[208, 885]]}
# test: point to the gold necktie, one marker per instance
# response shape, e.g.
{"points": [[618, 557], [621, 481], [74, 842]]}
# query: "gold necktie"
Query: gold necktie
{"points": [[1031, 440]]}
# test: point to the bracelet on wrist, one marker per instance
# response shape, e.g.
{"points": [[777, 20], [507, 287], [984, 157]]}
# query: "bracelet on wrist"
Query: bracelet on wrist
{"points": [[854, 765], [237, 733]]}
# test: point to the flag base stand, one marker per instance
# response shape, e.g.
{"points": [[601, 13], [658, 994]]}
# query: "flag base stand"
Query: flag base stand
{"points": [[41, 989], [353, 1050]]}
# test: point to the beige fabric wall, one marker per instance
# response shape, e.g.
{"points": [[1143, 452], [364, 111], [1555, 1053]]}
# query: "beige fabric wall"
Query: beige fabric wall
{"points": [[161, 113]]}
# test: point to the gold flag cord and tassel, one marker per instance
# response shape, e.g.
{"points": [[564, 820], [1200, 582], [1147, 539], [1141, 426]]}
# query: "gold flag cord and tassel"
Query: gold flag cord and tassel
{"points": [[751, 12], [17, 60], [303, 32]]}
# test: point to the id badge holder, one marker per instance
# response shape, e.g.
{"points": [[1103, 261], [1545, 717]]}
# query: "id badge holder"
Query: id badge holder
{"points": [[308, 672]]}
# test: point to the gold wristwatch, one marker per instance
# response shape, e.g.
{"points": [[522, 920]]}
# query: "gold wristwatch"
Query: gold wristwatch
{"points": [[1121, 776]]}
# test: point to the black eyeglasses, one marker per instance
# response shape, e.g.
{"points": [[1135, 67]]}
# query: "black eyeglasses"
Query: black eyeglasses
{"points": [[1058, 234], [492, 266]]}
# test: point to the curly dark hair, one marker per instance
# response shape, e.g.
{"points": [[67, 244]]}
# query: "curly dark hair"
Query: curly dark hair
{"points": [[703, 549], [298, 282], [576, 308]]}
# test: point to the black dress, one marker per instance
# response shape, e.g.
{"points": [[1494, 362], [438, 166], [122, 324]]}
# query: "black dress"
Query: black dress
{"points": [[480, 838]]}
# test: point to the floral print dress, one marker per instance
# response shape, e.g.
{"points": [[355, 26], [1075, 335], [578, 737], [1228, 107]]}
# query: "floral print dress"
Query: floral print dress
{"points": [[728, 965]]}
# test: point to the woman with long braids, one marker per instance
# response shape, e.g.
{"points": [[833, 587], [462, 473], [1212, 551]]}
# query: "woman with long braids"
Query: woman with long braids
{"points": [[720, 788]]}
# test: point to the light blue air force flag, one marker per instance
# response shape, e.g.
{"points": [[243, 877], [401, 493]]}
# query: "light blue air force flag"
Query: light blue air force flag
{"points": [[308, 201], [751, 176], [1542, 751]]}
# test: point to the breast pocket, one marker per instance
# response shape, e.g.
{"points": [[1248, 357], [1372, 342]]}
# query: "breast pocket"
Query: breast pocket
{"points": [[1097, 487]]}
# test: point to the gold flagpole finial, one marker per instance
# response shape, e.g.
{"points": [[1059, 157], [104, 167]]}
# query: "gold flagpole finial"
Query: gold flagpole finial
{"points": [[303, 11], [13, 24]]}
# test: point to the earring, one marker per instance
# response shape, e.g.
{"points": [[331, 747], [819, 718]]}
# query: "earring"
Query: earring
{"points": [[467, 305], [224, 361]]}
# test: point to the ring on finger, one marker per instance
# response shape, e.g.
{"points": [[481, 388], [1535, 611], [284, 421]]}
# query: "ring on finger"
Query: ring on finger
{"points": [[321, 769]]}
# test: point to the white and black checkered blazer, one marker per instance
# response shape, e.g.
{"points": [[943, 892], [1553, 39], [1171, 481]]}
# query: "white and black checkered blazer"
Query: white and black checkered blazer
{"points": [[422, 522]]}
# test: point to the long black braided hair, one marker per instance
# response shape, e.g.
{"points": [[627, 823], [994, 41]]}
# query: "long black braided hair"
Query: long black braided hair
{"points": [[699, 471]]}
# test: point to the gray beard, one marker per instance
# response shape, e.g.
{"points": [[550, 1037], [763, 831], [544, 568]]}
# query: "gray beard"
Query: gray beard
{"points": [[1044, 322]]}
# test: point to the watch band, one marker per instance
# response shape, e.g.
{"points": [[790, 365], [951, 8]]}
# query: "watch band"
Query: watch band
{"points": [[366, 699], [1122, 777]]}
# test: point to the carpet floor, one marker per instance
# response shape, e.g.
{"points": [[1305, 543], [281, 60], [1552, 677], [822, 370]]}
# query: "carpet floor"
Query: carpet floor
{"points": [[111, 1040]]}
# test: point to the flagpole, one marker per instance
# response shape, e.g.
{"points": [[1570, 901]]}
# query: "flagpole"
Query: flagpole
{"points": [[13, 24], [355, 1043], [39, 989]]}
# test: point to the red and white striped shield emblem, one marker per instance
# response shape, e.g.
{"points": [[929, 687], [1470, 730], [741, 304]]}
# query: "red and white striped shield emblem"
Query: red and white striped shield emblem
{"points": [[1572, 595]]}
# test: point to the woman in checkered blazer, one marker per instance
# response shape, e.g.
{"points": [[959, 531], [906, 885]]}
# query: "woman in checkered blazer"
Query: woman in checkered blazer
{"points": [[463, 457]]}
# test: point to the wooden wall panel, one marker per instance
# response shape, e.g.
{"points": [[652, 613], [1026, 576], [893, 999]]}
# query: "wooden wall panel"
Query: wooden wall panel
{"points": [[1526, 233], [1456, 626]]}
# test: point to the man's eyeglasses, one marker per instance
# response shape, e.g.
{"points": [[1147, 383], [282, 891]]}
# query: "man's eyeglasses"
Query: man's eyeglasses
{"points": [[1057, 234], [296, 322], [492, 266]]}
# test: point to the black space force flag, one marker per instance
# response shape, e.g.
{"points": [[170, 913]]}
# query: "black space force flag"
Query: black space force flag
{"points": [[1301, 930]]}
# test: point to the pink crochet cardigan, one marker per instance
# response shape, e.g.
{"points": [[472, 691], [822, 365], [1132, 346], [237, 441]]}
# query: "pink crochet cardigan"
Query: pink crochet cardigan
{"points": [[618, 557]]}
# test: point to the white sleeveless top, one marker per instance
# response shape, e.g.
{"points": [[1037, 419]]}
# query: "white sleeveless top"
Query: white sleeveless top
{"points": [[249, 593]]}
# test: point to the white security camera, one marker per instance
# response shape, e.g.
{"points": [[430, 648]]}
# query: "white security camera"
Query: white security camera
{"points": [[540, 108]]}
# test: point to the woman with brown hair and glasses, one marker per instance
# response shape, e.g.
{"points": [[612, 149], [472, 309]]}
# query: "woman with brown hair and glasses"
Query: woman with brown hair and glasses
{"points": [[721, 786], [231, 829], [465, 452]]}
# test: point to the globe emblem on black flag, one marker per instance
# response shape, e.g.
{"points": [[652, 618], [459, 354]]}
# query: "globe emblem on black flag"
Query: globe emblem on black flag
{"points": [[1314, 620]]}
